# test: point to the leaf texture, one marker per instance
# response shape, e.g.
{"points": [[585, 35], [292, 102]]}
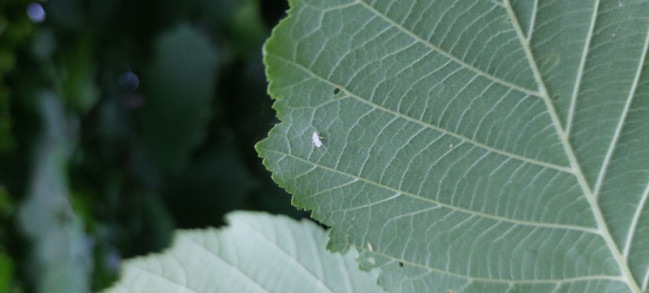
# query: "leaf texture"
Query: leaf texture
{"points": [[255, 253], [474, 145]]}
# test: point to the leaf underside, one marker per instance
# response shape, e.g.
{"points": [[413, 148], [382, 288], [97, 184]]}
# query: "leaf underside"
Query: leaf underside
{"points": [[476, 146], [255, 253]]}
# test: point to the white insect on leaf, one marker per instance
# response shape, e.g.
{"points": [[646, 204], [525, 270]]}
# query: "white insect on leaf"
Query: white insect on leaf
{"points": [[316, 139]]}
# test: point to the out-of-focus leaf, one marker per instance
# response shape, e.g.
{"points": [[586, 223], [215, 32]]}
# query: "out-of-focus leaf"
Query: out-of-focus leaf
{"points": [[7, 141], [15, 31], [79, 88], [151, 224], [219, 13], [61, 256], [66, 14], [6, 204], [256, 253], [180, 86], [6, 271], [248, 29], [7, 61], [44, 46], [6, 263]]}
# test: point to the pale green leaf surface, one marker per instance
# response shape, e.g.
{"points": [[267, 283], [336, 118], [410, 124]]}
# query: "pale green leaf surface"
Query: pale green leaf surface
{"points": [[477, 146], [256, 253]]}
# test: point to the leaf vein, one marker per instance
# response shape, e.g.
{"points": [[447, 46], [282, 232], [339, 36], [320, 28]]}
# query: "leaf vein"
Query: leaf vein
{"points": [[634, 223], [580, 71], [442, 204], [429, 125], [220, 259], [620, 124], [299, 265], [501, 281], [447, 54], [570, 153]]}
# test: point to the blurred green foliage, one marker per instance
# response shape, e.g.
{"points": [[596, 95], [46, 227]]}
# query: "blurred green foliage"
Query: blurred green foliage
{"points": [[61, 259], [6, 264], [160, 105], [181, 82]]}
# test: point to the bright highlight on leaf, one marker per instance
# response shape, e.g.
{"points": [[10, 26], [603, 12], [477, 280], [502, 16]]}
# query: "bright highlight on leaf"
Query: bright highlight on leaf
{"points": [[255, 253], [481, 146]]}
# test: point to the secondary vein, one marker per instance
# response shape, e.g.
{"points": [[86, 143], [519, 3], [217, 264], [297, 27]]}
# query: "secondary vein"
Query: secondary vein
{"points": [[447, 54], [442, 204], [577, 171], [426, 124]]}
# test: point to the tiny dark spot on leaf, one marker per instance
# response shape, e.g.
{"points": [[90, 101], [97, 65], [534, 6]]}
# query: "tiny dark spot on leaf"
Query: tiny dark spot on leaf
{"points": [[401, 264], [336, 91], [555, 97]]}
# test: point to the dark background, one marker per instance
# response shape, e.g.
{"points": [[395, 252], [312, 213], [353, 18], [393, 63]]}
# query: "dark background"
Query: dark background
{"points": [[123, 120]]}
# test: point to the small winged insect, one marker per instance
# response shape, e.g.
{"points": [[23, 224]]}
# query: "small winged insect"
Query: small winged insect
{"points": [[316, 139]]}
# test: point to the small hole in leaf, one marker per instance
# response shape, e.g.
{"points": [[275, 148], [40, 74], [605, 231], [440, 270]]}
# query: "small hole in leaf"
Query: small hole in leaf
{"points": [[336, 91], [401, 264]]}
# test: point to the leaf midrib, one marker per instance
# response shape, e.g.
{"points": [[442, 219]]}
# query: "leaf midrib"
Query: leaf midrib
{"points": [[577, 171]]}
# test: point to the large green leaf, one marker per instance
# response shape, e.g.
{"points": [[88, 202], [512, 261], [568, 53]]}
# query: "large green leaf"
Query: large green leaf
{"points": [[475, 145], [256, 253]]}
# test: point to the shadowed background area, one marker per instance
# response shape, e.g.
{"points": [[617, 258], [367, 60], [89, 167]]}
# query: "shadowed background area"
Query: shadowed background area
{"points": [[121, 121]]}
